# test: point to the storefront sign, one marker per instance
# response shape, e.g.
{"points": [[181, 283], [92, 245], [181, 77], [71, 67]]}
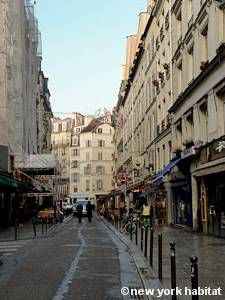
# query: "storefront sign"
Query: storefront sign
{"points": [[214, 151], [188, 152]]}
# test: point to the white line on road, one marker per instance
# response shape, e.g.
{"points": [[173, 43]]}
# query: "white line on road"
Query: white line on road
{"points": [[64, 286]]}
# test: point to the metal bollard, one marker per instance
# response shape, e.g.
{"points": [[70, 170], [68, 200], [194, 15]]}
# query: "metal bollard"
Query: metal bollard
{"points": [[136, 233], [151, 247], [194, 275], [146, 241], [16, 228], [42, 225], [46, 225], [49, 222], [34, 228], [173, 268], [142, 236], [160, 256], [131, 230]]}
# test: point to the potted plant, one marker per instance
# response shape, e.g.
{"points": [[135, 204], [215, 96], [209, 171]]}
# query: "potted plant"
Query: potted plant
{"points": [[188, 142], [204, 64], [155, 82]]}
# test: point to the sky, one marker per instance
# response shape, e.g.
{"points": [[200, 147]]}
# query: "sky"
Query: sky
{"points": [[83, 48]]}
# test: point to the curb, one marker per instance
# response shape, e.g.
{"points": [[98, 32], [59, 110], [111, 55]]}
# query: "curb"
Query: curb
{"points": [[146, 273]]}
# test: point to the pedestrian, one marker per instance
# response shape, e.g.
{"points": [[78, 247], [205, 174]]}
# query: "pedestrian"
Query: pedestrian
{"points": [[89, 208], [146, 214], [79, 212]]}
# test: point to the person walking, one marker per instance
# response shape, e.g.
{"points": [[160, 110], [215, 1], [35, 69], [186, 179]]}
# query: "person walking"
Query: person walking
{"points": [[79, 212], [146, 214], [89, 208]]}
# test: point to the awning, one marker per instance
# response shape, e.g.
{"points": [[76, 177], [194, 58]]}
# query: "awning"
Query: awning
{"points": [[7, 181], [159, 178]]}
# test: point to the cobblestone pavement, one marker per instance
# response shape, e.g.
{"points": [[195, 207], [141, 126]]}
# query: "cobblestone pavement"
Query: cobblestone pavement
{"points": [[209, 250]]}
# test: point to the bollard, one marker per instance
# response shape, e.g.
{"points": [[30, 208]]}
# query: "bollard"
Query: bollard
{"points": [[146, 241], [151, 247], [142, 233], [46, 225], [42, 225], [34, 228], [49, 222], [173, 268], [194, 275], [136, 233], [131, 229], [16, 228], [160, 256]]}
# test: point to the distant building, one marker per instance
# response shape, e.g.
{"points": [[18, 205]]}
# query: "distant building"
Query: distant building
{"points": [[84, 147]]}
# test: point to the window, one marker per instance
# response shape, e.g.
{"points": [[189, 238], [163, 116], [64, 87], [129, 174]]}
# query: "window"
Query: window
{"points": [[87, 156], [179, 78], [75, 141], [101, 143], [190, 65], [77, 130], [99, 184], [99, 130], [75, 152], [164, 156], [75, 177], [99, 155], [88, 143], [100, 170], [74, 164], [204, 45], [75, 190], [87, 169], [87, 185]]}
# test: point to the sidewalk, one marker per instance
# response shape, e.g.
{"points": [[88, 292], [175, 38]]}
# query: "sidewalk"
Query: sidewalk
{"points": [[209, 250], [27, 231]]}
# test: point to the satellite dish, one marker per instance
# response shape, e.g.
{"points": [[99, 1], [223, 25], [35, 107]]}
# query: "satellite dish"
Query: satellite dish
{"points": [[138, 162]]}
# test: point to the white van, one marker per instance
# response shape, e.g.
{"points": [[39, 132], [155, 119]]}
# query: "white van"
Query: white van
{"points": [[81, 199]]}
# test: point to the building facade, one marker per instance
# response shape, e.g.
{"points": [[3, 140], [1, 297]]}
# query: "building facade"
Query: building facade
{"points": [[84, 146], [169, 118], [44, 115]]}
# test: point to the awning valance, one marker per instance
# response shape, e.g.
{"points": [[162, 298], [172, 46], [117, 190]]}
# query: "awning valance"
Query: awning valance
{"points": [[159, 178]]}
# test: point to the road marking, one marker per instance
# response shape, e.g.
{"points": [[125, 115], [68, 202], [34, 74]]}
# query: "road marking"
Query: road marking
{"points": [[10, 247], [64, 286]]}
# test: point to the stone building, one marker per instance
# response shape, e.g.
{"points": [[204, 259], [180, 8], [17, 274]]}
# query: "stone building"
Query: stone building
{"points": [[169, 118], [44, 115], [84, 146]]}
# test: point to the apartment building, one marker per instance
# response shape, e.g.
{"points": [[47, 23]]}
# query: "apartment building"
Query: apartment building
{"points": [[44, 115], [169, 119], [198, 51], [96, 158], [84, 146]]}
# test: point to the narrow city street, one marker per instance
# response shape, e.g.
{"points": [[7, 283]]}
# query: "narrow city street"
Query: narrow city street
{"points": [[77, 261]]}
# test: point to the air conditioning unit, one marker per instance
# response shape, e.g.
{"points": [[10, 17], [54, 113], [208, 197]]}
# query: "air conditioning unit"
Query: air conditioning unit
{"points": [[220, 3]]}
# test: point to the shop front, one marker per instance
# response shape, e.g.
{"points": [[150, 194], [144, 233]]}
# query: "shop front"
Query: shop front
{"points": [[211, 178]]}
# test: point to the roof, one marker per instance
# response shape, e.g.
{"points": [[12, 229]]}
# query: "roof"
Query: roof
{"points": [[92, 125], [39, 161]]}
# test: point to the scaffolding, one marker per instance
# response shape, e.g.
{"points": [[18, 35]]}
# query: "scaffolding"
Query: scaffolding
{"points": [[20, 56]]}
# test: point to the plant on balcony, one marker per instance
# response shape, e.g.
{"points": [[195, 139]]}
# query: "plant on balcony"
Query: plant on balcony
{"points": [[166, 66], [204, 64], [188, 142], [155, 82], [177, 150], [161, 75]]}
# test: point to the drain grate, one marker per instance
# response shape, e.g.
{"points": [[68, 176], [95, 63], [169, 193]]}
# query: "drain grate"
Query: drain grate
{"points": [[134, 292]]}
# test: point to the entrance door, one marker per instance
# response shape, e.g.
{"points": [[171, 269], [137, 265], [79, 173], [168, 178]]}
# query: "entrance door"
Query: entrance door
{"points": [[216, 211]]}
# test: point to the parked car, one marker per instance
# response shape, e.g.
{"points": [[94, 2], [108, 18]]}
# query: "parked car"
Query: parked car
{"points": [[83, 202]]}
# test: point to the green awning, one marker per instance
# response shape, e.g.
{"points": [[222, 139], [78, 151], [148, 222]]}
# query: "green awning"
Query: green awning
{"points": [[10, 182]]}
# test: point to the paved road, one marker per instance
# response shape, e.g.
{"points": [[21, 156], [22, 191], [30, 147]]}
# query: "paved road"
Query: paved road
{"points": [[78, 261]]}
